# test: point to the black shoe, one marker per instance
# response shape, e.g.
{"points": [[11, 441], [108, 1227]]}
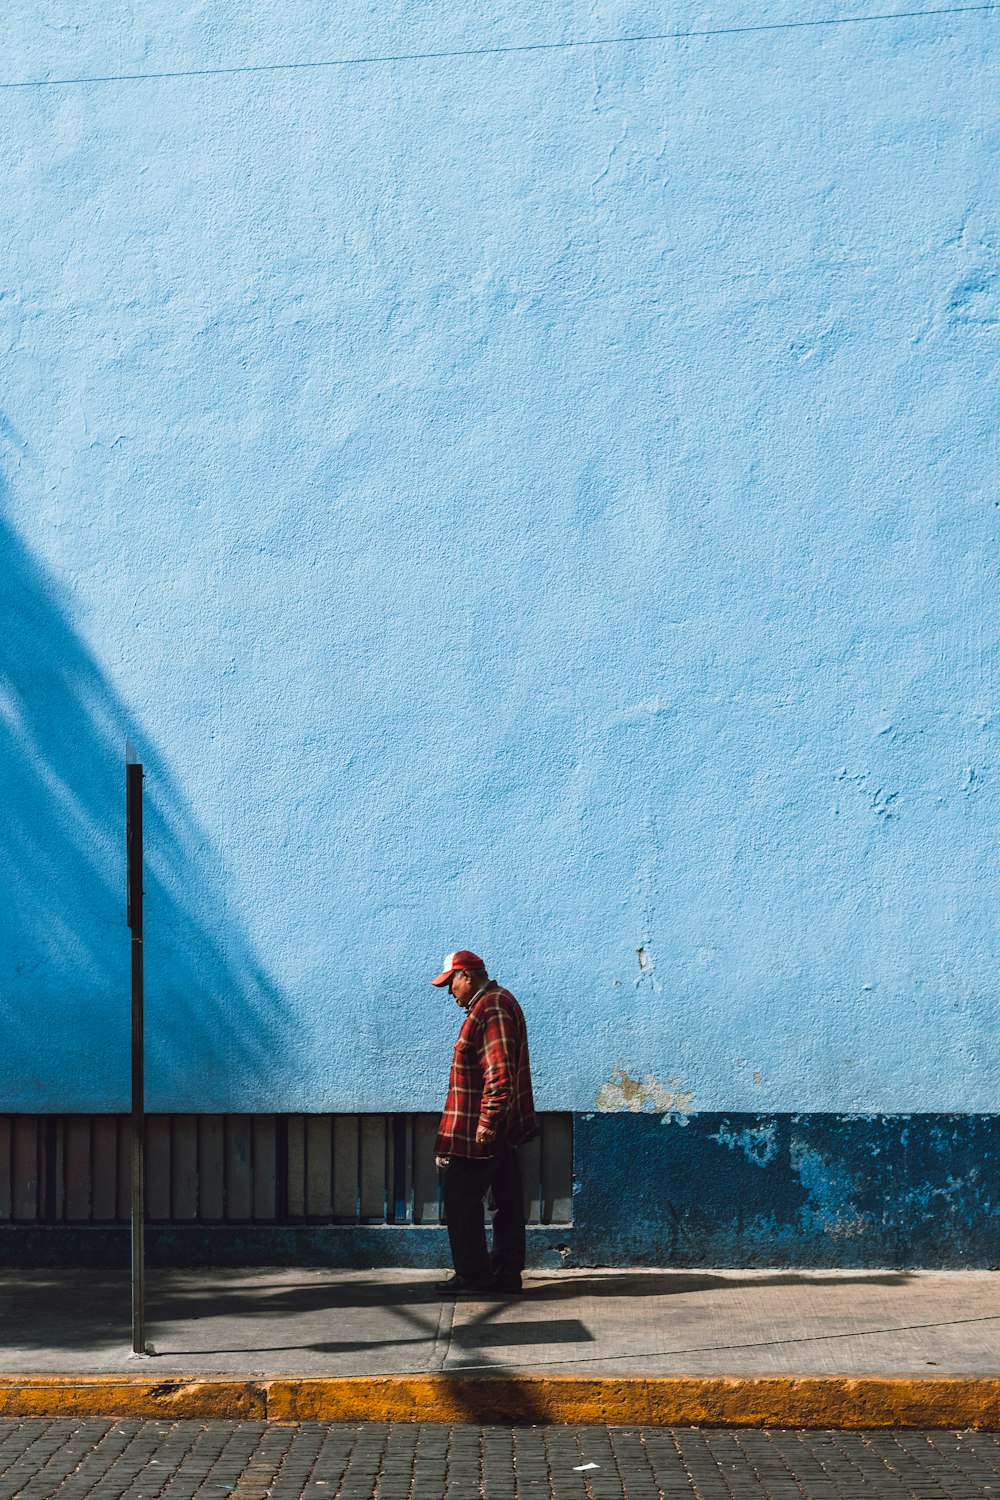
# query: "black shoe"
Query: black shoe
{"points": [[507, 1283], [455, 1285]]}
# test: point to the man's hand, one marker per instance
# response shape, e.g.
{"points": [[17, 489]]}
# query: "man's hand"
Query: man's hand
{"points": [[441, 1162], [485, 1136]]}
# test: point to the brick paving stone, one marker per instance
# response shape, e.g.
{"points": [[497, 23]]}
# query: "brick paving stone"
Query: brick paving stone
{"points": [[42, 1459], [632, 1464], [706, 1468], [806, 1465], [769, 1464]]}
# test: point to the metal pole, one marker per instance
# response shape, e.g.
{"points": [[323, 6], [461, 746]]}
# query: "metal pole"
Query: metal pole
{"points": [[133, 840]]}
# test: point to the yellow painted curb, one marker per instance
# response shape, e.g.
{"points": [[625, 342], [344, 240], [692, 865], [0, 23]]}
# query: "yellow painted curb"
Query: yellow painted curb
{"points": [[130, 1396], [669, 1400], [818, 1401]]}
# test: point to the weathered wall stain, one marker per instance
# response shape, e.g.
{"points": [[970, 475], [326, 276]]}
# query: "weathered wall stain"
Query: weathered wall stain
{"points": [[643, 1096], [758, 1143], [803, 1190], [830, 1184]]}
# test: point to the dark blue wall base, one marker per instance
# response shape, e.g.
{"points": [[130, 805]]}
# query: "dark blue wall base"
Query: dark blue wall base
{"points": [[714, 1190], [787, 1190]]}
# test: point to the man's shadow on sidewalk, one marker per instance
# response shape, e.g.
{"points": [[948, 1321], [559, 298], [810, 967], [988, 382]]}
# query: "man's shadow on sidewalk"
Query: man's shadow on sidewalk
{"points": [[680, 1283]]}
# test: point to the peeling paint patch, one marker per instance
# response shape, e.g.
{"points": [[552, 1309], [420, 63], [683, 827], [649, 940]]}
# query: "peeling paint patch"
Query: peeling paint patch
{"points": [[841, 1191], [832, 1209], [758, 1143], [646, 1096], [645, 975]]}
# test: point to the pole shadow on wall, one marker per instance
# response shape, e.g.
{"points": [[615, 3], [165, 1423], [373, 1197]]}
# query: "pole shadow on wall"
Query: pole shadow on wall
{"points": [[216, 1028]]}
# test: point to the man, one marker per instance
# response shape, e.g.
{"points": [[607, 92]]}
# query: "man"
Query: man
{"points": [[488, 1114]]}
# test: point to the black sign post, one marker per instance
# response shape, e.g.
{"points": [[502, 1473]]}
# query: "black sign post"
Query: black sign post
{"points": [[133, 844]]}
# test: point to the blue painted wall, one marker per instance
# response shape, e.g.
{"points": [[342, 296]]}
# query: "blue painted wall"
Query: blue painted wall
{"points": [[544, 500], [811, 1189]]}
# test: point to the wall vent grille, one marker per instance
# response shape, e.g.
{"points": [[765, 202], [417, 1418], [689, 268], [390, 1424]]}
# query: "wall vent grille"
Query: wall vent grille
{"points": [[253, 1169]]}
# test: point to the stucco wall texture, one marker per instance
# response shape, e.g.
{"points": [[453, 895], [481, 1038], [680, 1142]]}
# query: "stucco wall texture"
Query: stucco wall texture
{"points": [[539, 499]]}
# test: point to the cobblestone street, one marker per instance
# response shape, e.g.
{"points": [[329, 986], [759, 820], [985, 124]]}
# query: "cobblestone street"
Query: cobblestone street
{"points": [[328, 1461]]}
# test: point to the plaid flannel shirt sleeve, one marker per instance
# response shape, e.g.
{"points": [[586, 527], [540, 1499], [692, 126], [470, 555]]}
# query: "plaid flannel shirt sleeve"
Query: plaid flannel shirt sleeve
{"points": [[498, 1050]]}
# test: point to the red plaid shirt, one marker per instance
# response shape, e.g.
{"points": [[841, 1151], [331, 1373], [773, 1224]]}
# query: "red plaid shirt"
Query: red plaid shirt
{"points": [[490, 1081]]}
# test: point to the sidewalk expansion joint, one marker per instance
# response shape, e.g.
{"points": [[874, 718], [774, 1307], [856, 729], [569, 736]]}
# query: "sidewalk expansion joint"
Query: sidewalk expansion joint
{"points": [[442, 1338]]}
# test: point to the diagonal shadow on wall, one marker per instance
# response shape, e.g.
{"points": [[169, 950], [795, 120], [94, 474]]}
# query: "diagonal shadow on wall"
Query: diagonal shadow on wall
{"points": [[216, 1027]]}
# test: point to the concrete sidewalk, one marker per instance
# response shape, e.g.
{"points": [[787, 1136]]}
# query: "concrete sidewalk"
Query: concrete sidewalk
{"points": [[851, 1347]]}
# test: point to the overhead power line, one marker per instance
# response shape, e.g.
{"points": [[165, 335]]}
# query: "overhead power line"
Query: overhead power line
{"points": [[503, 51]]}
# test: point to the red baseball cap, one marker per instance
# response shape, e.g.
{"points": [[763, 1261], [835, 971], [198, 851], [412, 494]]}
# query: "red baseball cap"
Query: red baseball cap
{"points": [[464, 958]]}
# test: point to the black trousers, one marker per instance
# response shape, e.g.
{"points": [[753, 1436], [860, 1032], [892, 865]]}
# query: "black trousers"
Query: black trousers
{"points": [[465, 1184]]}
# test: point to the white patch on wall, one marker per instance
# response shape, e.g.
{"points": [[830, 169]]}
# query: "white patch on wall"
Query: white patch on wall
{"points": [[648, 1095], [759, 1143]]}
